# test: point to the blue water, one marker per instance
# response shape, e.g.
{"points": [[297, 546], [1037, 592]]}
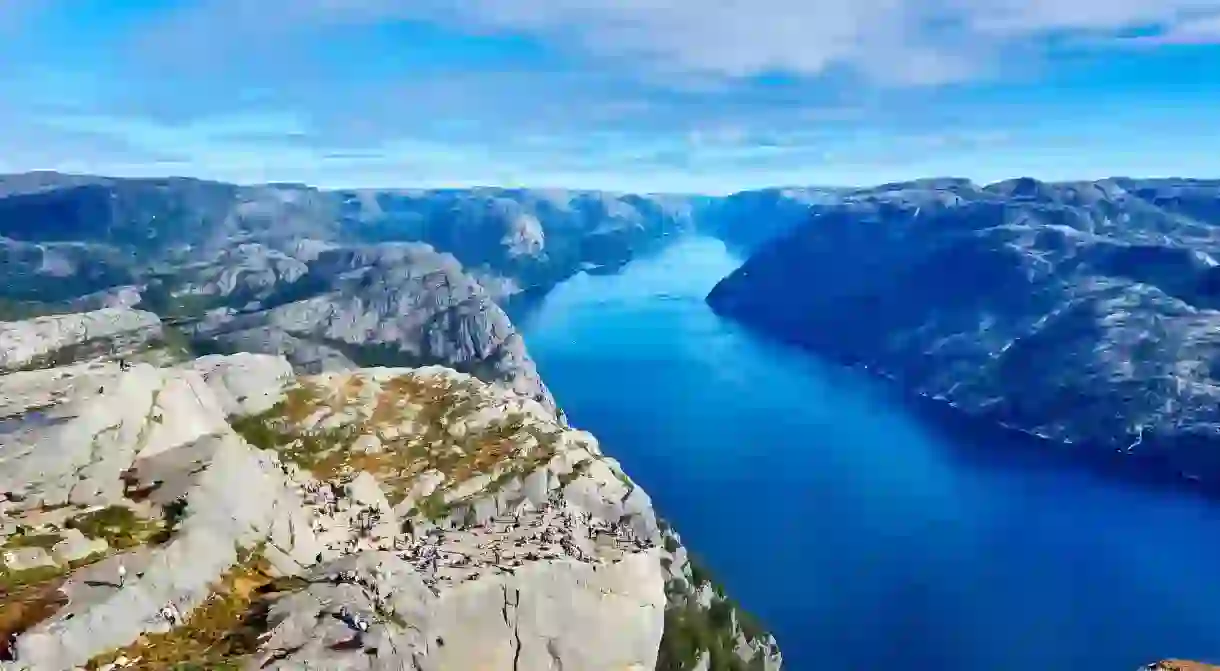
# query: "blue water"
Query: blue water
{"points": [[863, 535]]}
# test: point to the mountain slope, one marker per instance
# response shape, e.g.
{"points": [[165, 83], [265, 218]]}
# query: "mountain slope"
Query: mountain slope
{"points": [[227, 513], [1086, 313], [112, 231], [387, 304]]}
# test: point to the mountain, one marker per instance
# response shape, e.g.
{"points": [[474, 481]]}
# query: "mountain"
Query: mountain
{"points": [[159, 510], [514, 240], [103, 231], [330, 279], [1087, 313], [364, 470], [748, 219]]}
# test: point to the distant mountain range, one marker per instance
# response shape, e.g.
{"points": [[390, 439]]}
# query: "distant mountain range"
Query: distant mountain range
{"points": [[1084, 312]]}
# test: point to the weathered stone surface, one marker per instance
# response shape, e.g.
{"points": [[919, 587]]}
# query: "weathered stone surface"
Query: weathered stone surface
{"points": [[24, 559], [75, 545], [565, 614], [245, 383], [25, 341], [399, 303]]}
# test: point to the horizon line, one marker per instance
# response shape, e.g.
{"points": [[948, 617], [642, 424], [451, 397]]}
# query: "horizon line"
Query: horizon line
{"points": [[616, 192]]}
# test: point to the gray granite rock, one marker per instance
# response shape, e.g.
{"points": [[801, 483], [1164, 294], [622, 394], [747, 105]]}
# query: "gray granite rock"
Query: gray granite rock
{"points": [[25, 342], [515, 544], [75, 545]]}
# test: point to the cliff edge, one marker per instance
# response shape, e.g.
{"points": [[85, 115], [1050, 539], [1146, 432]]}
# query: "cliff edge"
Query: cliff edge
{"points": [[161, 510]]}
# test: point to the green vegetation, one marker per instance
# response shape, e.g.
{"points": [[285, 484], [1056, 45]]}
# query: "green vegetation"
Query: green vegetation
{"points": [[508, 447], [218, 634], [700, 574], [20, 540], [159, 299], [433, 506], [119, 526], [174, 342], [690, 629]]}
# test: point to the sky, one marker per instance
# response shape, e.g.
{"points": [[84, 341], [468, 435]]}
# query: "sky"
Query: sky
{"points": [[632, 95]]}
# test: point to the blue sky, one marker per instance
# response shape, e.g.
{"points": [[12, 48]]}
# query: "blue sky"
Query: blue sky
{"points": [[636, 95]]}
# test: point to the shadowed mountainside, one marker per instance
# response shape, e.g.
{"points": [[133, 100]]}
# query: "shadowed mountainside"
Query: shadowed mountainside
{"points": [[1087, 313]]}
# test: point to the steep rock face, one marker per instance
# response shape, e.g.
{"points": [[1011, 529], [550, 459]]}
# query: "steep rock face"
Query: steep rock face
{"points": [[383, 304], [1082, 312], [227, 513], [518, 239]]}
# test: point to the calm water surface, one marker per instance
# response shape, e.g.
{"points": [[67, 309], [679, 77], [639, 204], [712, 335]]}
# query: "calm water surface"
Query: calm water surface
{"points": [[859, 532]]}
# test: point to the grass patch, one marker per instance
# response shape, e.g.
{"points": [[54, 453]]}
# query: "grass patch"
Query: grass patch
{"points": [[432, 405], [20, 540], [119, 526], [30, 596], [220, 632], [691, 629]]}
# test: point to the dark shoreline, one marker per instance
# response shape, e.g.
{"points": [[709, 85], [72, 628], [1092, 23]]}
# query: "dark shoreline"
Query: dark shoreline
{"points": [[1152, 468]]}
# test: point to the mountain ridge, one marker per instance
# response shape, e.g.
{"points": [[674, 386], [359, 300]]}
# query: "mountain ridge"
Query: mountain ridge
{"points": [[1076, 311]]}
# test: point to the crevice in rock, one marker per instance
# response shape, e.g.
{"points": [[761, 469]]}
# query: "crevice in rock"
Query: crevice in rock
{"points": [[513, 623]]}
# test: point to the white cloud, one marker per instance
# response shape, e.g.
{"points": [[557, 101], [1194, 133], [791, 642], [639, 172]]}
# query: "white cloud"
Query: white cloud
{"points": [[907, 41]]}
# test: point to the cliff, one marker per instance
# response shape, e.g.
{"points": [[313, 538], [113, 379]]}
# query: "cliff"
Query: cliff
{"points": [[1085, 313], [224, 511], [65, 235]]}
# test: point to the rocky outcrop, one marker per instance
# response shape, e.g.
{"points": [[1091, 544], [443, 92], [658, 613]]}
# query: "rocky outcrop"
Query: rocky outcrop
{"points": [[388, 304], [68, 336], [228, 513], [1085, 313]]}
